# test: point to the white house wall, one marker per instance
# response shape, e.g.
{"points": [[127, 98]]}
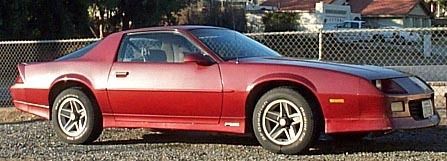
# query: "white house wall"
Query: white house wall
{"points": [[333, 14]]}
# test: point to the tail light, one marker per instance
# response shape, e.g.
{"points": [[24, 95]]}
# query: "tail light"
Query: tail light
{"points": [[19, 79], [20, 75]]}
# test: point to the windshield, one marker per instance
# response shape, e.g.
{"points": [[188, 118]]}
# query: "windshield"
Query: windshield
{"points": [[230, 44]]}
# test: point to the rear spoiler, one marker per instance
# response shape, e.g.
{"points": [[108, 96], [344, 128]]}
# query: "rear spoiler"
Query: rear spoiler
{"points": [[21, 68]]}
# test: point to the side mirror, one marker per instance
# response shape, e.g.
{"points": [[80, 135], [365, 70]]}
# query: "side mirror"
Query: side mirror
{"points": [[197, 58]]}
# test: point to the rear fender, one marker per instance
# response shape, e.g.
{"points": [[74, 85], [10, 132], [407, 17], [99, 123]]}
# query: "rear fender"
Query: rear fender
{"points": [[100, 96], [73, 77]]}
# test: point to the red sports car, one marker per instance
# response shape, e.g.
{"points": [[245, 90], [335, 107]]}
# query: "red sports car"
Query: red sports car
{"points": [[214, 79]]}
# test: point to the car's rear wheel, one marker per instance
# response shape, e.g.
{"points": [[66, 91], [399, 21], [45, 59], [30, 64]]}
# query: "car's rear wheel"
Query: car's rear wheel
{"points": [[75, 117], [284, 122]]}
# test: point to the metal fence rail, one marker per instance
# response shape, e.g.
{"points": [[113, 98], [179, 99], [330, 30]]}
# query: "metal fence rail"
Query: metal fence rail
{"points": [[421, 51]]}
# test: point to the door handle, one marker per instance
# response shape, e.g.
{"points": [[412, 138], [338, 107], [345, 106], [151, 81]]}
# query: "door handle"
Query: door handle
{"points": [[121, 74]]}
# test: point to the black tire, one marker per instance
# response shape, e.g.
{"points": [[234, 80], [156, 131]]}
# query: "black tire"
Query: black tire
{"points": [[93, 118], [310, 130]]}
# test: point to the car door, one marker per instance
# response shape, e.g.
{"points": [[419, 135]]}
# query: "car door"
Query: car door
{"points": [[150, 82]]}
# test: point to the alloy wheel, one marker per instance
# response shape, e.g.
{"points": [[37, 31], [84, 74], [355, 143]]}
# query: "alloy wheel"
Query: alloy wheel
{"points": [[282, 122], [72, 117]]}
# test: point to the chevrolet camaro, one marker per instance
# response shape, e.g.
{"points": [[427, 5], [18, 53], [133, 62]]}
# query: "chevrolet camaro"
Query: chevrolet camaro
{"points": [[213, 79]]}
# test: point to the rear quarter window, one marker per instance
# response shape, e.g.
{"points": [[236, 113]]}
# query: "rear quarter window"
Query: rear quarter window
{"points": [[78, 53]]}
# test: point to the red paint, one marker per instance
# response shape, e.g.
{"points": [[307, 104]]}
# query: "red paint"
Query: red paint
{"points": [[188, 96]]}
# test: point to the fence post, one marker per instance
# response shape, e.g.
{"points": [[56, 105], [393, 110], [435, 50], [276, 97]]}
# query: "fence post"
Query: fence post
{"points": [[320, 44], [427, 45]]}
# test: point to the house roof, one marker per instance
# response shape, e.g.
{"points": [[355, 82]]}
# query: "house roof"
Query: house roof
{"points": [[289, 5], [384, 7], [364, 7]]}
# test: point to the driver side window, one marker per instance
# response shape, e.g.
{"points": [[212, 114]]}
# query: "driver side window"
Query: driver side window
{"points": [[155, 48]]}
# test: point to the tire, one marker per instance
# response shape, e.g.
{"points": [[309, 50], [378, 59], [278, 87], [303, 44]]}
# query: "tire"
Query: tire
{"points": [[80, 116], [274, 131]]}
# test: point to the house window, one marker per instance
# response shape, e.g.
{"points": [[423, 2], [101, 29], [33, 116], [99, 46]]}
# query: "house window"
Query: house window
{"points": [[337, 12]]}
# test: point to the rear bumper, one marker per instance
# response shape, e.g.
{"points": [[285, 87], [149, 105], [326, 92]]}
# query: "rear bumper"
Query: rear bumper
{"points": [[36, 109], [18, 93]]}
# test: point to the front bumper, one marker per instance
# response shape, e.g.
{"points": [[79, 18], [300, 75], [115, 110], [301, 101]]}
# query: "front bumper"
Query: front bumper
{"points": [[410, 123], [411, 117]]}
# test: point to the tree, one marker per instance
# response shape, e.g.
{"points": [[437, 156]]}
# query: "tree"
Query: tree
{"points": [[13, 18], [112, 16], [280, 21], [227, 14], [43, 19], [60, 19], [440, 6], [56, 19]]}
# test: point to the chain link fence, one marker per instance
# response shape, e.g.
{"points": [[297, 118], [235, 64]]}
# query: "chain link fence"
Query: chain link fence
{"points": [[15, 52], [420, 51]]}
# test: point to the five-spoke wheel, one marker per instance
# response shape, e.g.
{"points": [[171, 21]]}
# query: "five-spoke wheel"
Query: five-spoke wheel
{"points": [[76, 117], [284, 122], [72, 117]]}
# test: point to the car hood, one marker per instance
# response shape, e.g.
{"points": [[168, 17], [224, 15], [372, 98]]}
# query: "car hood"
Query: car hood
{"points": [[365, 71]]}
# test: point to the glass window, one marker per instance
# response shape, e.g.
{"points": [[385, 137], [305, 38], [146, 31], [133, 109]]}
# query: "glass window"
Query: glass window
{"points": [[346, 25], [78, 53], [230, 44], [355, 25], [155, 47]]}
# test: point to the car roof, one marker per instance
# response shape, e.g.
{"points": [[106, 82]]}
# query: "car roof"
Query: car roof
{"points": [[172, 28]]}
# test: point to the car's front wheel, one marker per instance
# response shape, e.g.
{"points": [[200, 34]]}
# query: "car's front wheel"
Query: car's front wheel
{"points": [[75, 118], [284, 122]]}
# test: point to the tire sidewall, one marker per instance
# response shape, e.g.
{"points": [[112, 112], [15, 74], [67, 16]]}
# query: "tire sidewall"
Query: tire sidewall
{"points": [[77, 94], [308, 125]]}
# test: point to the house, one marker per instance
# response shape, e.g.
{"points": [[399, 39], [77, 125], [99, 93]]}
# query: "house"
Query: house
{"points": [[325, 14], [314, 14], [401, 13]]}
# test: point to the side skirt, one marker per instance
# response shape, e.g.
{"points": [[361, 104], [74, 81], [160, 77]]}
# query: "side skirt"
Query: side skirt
{"points": [[234, 125]]}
